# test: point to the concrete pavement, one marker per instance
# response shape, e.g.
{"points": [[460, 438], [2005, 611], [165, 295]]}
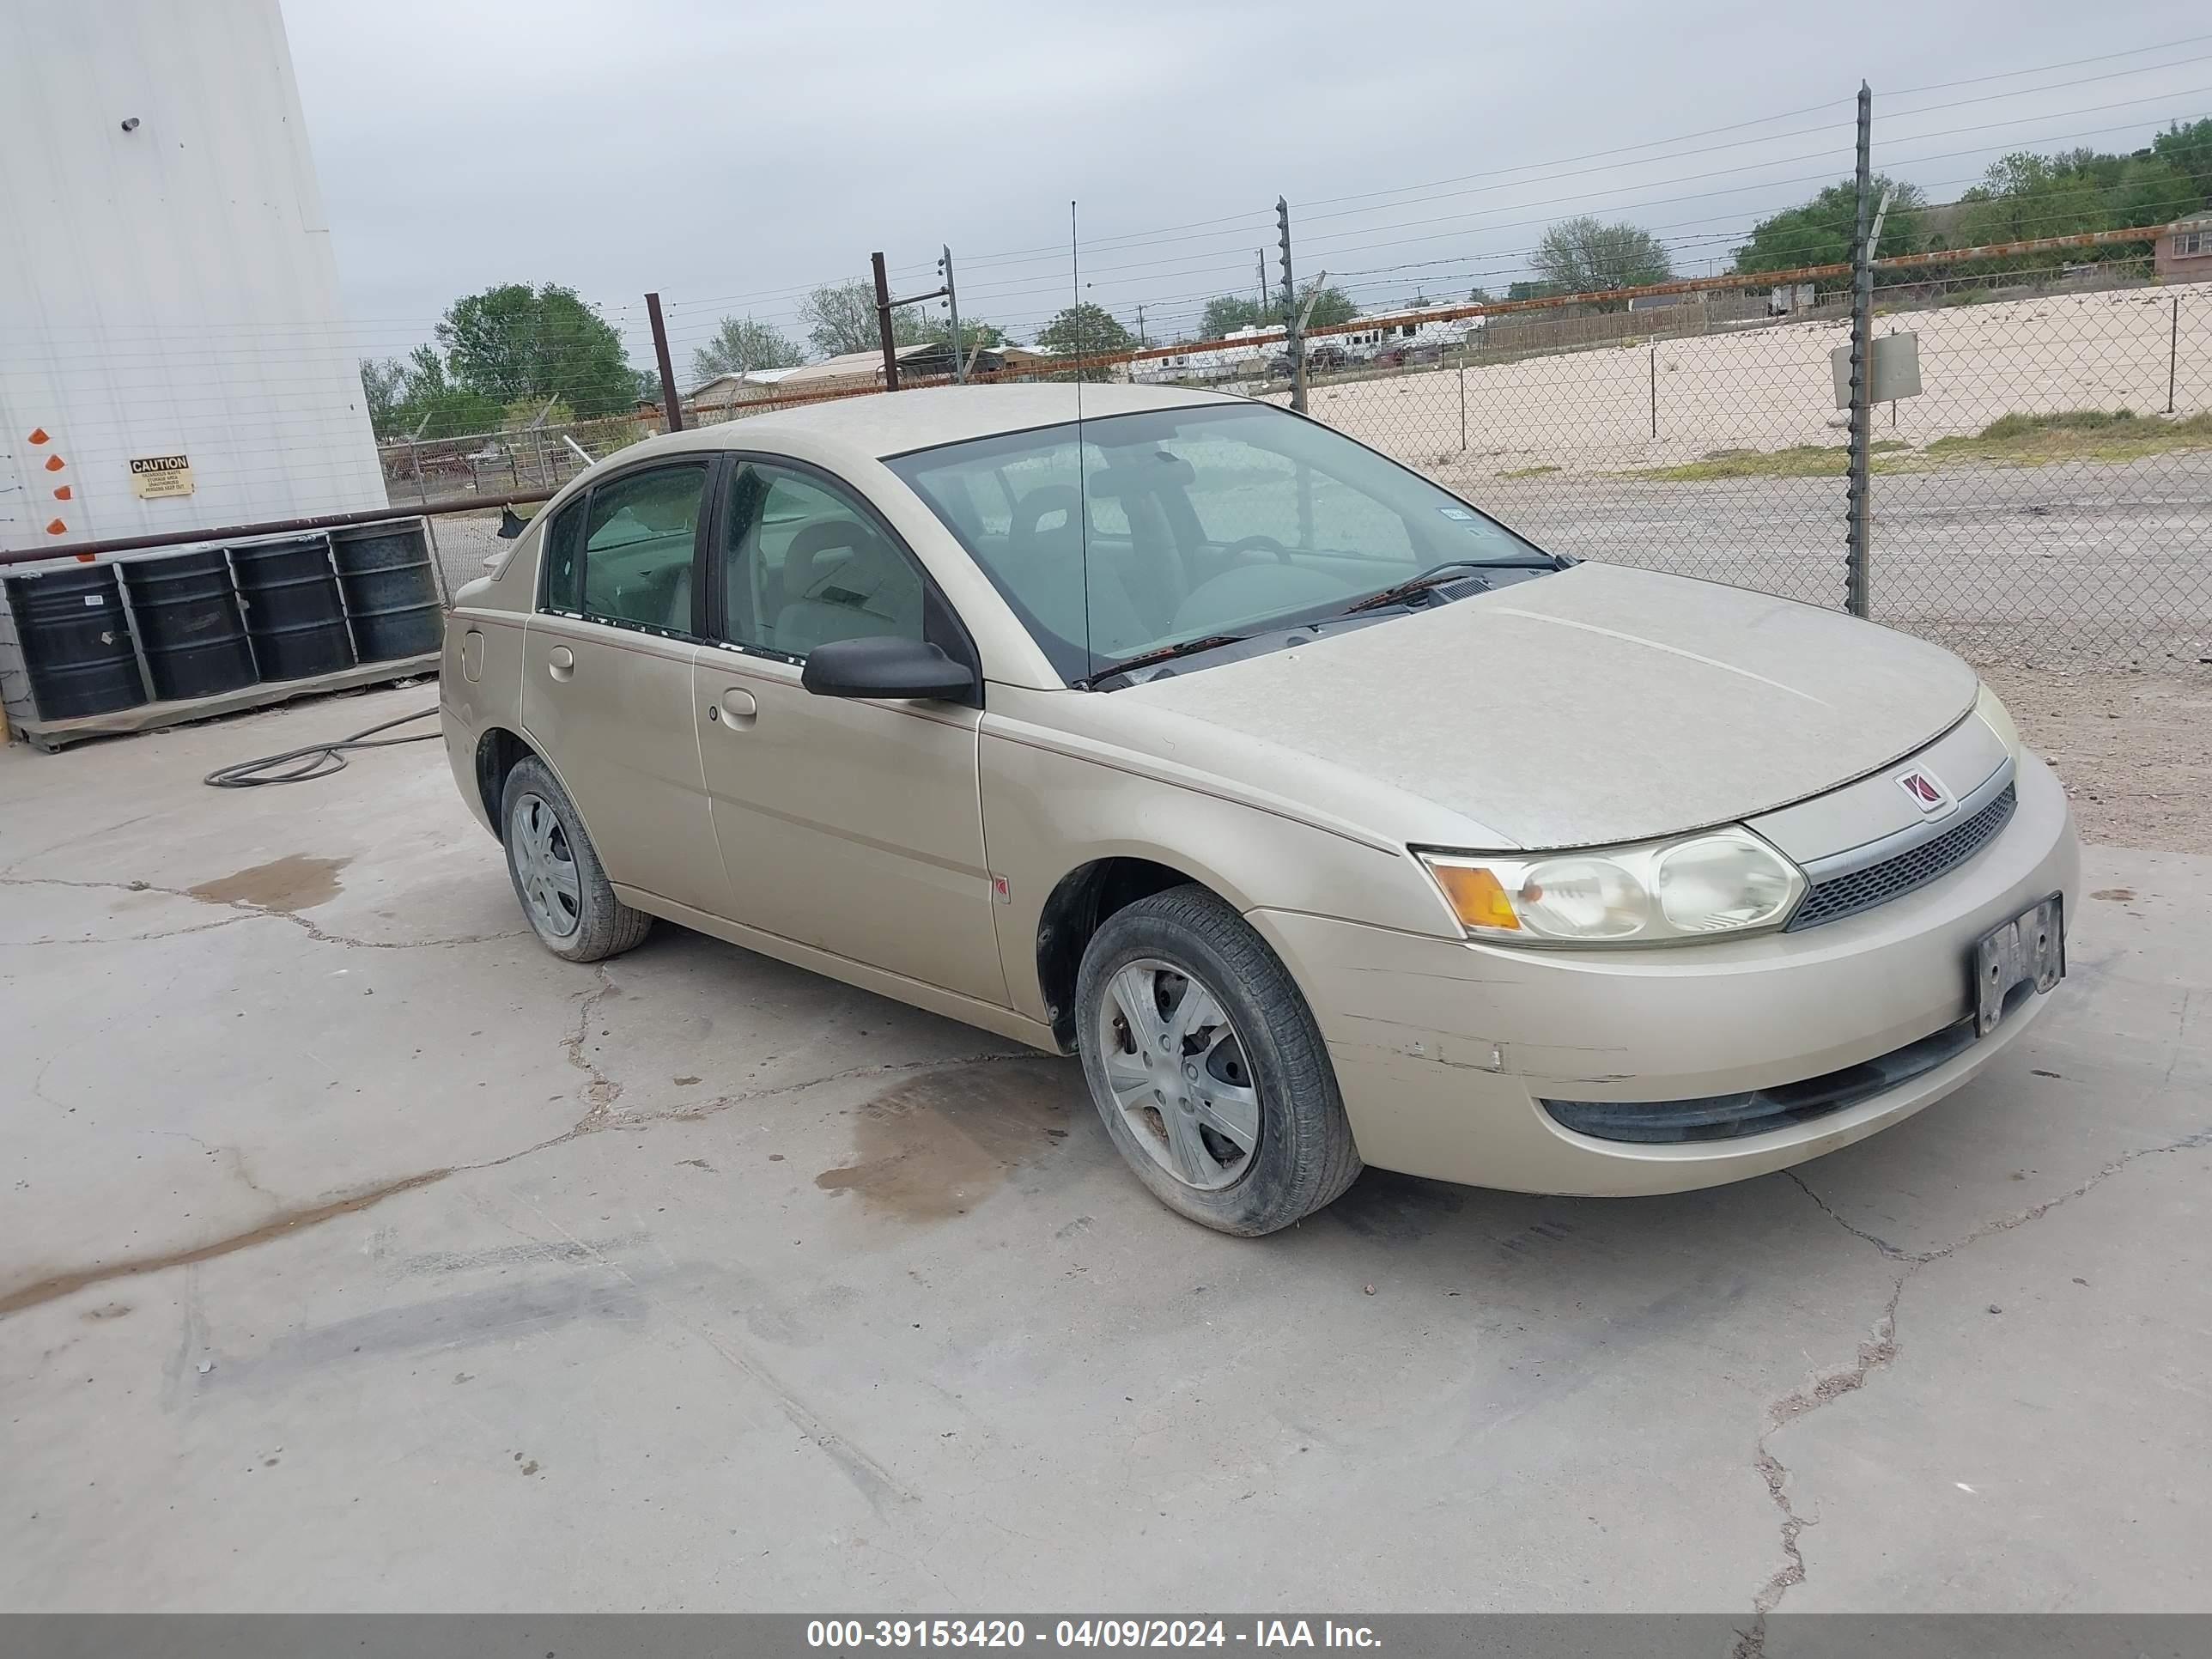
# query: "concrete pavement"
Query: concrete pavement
{"points": [[357, 1255]]}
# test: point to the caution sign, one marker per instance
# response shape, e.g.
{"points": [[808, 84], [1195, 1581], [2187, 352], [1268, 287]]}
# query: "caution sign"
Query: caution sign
{"points": [[153, 477]]}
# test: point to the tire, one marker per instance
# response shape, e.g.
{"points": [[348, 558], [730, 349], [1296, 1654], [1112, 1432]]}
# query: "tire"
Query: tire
{"points": [[535, 812], [1154, 951]]}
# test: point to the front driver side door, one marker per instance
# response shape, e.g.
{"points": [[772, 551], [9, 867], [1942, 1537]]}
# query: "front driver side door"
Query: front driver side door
{"points": [[852, 826]]}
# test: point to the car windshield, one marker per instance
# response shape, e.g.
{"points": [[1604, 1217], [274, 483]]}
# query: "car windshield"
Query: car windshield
{"points": [[1191, 523]]}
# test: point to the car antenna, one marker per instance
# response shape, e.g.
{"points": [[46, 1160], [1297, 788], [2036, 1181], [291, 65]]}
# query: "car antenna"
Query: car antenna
{"points": [[1081, 499]]}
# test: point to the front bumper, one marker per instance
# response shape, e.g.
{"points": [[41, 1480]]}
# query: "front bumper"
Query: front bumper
{"points": [[1445, 1048]]}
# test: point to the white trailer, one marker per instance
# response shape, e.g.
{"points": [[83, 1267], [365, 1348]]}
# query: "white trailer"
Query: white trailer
{"points": [[171, 352]]}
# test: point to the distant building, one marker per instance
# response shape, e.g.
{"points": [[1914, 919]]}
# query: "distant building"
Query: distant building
{"points": [[2184, 251], [727, 392]]}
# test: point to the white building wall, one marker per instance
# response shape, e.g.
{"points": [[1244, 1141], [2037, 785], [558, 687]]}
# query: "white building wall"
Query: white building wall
{"points": [[168, 290]]}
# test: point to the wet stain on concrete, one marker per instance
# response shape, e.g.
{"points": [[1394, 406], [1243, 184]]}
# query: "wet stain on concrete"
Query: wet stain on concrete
{"points": [[933, 1145], [277, 1227], [294, 881], [2116, 895]]}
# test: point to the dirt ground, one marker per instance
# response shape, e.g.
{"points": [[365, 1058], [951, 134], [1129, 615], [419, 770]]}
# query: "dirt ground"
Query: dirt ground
{"points": [[2135, 751]]}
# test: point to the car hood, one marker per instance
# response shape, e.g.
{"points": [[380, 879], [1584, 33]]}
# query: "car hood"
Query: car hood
{"points": [[1601, 704]]}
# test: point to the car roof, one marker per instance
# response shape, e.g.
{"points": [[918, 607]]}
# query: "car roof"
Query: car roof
{"points": [[874, 425]]}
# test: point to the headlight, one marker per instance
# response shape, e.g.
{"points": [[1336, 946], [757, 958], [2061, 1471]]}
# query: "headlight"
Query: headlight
{"points": [[1725, 881], [1994, 717]]}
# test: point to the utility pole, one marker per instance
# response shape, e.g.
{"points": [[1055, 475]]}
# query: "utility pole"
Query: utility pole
{"points": [[1141, 342], [671, 402], [1261, 254], [1293, 334], [952, 305], [1858, 515], [883, 324]]}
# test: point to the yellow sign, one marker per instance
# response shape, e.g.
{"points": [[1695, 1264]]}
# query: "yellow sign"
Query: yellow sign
{"points": [[153, 477]]}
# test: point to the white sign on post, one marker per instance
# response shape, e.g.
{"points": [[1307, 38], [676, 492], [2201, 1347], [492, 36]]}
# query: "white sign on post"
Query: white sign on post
{"points": [[1893, 369]]}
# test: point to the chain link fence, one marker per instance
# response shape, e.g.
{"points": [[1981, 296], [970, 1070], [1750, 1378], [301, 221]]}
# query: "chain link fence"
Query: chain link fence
{"points": [[2044, 502]]}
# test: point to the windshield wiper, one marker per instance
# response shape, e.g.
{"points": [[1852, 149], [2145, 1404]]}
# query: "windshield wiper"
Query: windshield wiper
{"points": [[1166, 653], [1436, 575]]}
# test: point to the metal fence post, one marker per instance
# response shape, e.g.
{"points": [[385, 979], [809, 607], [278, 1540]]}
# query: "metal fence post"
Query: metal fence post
{"points": [[1655, 388], [1858, 549], [1294, 335], [2173, 351]]}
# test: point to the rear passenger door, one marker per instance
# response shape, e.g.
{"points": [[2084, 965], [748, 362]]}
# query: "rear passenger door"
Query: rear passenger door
{"points": [[851, 826], [606, 687]]}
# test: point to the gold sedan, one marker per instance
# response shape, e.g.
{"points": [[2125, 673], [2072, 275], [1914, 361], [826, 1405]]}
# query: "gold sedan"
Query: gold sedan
{"points": [[1328, 820]]}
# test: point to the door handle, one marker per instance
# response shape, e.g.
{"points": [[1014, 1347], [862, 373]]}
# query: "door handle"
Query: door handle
{"points": [[735, 708], [561, 663]]}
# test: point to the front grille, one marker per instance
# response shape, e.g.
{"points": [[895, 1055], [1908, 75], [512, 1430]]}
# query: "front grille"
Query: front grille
{"points": [[1761, 1111], [1862, 889]]}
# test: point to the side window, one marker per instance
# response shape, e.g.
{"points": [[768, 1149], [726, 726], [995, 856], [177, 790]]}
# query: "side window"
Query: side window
{"points": [[805, 565], [638, 543], [563, 559]]}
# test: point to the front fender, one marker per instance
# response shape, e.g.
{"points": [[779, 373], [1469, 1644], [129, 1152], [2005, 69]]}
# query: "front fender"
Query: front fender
{"points": [[1049, 810]]}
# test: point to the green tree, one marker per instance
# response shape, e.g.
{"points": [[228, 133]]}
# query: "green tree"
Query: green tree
{"points": [[842, 317], [1580, 255], [1528, 290], [2188, 150], [740, 345], [1478, 296], [1225, 313], [383, 388], [432, 405], [513, 342], [1820, 231], [1086, 330], [1330, 307]]}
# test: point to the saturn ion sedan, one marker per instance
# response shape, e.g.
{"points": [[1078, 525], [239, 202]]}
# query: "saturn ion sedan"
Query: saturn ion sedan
{"points": [[1329, 821]]}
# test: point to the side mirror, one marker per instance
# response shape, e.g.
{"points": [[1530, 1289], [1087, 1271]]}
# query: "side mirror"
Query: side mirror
{"points": [[886, 667]]}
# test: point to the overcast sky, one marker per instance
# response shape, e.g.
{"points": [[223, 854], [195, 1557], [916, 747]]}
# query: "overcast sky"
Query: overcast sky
{"points": [[730, 156]]}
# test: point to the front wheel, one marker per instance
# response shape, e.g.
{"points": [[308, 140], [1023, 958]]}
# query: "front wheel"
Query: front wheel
{"points": [[1206, 1067]]}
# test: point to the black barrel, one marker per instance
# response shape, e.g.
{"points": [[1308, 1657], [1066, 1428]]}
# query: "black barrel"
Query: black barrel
{"points": [[75, 642], [190, 625], [390, 592], [293, 614]]}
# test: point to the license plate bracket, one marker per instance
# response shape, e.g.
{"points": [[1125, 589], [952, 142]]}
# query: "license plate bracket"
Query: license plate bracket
{"points": [[2031, 948]]}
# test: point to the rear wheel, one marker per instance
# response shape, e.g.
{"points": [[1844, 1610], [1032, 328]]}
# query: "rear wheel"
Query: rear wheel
{"points": [[1206, 1067], [565, 893]]}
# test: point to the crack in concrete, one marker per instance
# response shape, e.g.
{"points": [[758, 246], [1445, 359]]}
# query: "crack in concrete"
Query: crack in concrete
{"points": [[1878, 1351], [601, 1093], [247, 910]]}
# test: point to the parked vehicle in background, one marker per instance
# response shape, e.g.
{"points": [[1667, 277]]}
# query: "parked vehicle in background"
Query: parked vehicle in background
{"points": [[1327, 820]]}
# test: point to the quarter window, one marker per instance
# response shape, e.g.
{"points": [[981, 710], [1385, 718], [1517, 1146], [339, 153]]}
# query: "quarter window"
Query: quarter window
{"points": [[804, 565], [639, 542]]}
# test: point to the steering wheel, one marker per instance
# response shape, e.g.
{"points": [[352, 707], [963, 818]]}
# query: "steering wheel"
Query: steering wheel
{"points": [[1237, 550]]}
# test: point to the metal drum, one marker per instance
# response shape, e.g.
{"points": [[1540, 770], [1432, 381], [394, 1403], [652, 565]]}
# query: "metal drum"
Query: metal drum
{"points": [[293, 614], [190, 625], [391, 593], [75, 642]]}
